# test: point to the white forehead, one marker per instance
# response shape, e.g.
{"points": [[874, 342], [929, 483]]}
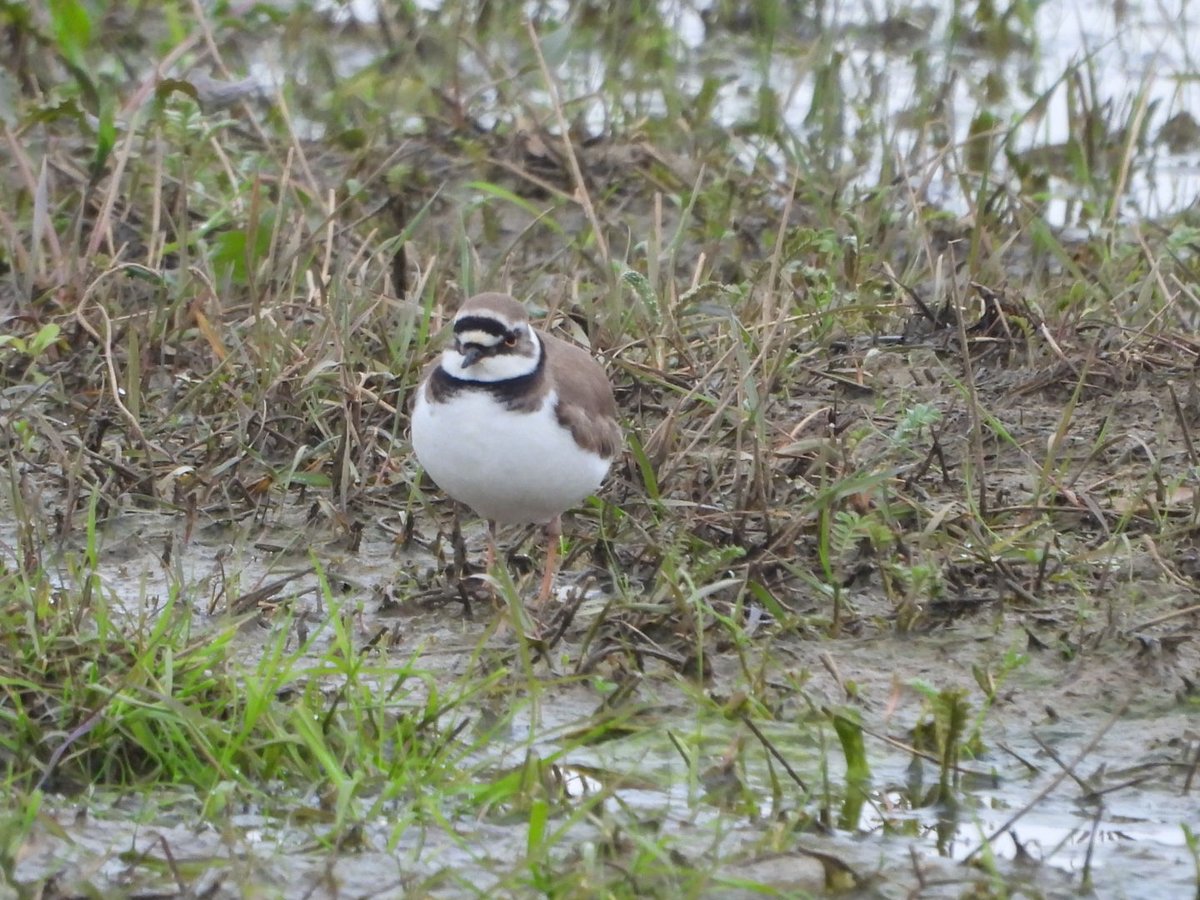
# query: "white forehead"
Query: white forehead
{"points": [[498, 317], [478, 337]]}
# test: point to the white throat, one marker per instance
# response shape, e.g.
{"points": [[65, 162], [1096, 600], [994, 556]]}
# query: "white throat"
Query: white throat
{"points": [[493, 368]]}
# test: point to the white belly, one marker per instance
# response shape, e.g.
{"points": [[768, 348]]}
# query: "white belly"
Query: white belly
{"points": [[512, 467]]}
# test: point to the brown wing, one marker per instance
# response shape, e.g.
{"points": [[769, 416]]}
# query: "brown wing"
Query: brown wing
{"points": [[425, 383], [585, 399]]}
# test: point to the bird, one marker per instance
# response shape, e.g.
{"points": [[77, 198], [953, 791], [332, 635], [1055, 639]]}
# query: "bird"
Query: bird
{"points": [[515, 423]]}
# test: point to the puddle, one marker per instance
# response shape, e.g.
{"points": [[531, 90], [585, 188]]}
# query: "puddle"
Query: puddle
{"points": [[1128, 63], [1108, 818], [644, 780]]}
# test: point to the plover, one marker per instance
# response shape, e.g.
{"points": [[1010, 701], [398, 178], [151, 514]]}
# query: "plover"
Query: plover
{"points": [[515, 423]]}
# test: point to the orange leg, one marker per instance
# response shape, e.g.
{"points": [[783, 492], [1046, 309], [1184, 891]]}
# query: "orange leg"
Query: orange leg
{"points": [[553, 533], [490, 559]]}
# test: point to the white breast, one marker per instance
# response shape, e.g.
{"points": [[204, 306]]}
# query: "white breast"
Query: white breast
{"points": [[507, 466]]}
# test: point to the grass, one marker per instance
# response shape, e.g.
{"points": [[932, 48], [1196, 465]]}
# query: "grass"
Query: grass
{"points": [[908, 460]]}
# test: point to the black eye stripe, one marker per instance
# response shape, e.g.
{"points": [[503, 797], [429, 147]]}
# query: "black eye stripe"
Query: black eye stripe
{"points": [[481, 323]]}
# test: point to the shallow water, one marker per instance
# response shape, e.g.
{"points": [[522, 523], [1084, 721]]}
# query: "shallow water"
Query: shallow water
{"points": [[857, 77], [1130, 830]]}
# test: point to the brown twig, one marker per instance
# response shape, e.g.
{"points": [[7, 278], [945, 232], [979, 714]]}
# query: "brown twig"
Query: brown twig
{"points": [[582, 196]]}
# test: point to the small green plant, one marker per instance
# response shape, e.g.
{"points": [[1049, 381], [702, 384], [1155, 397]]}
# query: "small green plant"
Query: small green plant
{"points": [[848, 727], [32, 348], [943, 733], [916, 422], [1193, 844]]}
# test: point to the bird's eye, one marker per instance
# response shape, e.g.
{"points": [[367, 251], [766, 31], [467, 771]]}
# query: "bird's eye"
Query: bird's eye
{"points": [[510, 340]]}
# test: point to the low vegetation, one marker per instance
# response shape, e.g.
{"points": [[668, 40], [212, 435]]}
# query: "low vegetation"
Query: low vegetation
{"points": [[902, 546]]}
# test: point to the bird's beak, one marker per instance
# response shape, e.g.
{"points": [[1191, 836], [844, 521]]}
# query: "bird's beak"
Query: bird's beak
{"points": [[471, 355]]}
